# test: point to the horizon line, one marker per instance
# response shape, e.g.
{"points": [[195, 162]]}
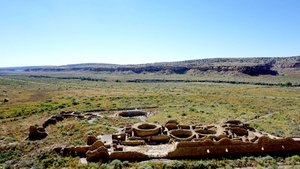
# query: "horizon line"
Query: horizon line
{"points": [[117, 64]]}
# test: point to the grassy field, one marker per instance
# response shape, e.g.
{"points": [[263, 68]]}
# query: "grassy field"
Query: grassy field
{"points": [[274, 109]]}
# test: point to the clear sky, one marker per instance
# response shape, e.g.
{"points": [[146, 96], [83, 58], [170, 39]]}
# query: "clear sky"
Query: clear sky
{"points": [[57, 32]]}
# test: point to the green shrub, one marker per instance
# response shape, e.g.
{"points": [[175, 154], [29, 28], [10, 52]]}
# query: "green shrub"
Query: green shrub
{"points": [[116, 164], [266, 161], [145, 166], [61, 106], [228, 167], [60, 162], [175, 165], [47, 163], [287, 84], [126, 163], [8, 155], [90, 166], [202, 165], [74, 102], [197, 165], [293, 160]]}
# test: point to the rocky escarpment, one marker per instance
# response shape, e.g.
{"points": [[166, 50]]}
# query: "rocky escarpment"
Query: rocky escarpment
{"points": [[256, 70], [249, 66], [265, 69]]}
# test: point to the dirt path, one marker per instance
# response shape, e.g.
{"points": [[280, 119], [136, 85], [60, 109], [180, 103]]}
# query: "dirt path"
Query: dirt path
{"points": [[261, 117]]}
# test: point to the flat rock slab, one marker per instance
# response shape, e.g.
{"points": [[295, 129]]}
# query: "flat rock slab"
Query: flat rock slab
{"points": [[153, 151], [83, 161]]}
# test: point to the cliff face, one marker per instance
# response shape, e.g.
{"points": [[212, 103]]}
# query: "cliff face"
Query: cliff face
{"points": [[258, 70], [249, 66], [249, 70]]}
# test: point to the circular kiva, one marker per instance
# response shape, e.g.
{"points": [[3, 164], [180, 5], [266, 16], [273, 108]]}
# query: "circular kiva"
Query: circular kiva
{"points": [[132, 113], [203, 131], [182, 134], [236, 122], [146, 129]]}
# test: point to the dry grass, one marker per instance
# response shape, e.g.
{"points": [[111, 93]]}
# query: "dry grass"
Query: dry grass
{"points": [[32, 100]]}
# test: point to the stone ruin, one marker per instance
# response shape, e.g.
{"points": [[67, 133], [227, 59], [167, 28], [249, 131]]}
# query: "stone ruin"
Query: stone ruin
{"points": [[143, 141], [38, 133]]}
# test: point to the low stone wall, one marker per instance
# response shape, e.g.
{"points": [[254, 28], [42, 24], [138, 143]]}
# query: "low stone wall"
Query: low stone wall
{"points": [[128, 155], [226, 147]]}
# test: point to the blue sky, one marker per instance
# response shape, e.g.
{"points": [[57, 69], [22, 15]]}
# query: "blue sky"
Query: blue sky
{"points": [[57, 32]]}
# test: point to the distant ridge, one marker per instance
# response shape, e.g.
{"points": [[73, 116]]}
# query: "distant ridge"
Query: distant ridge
{"points": [[250, 66]]}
